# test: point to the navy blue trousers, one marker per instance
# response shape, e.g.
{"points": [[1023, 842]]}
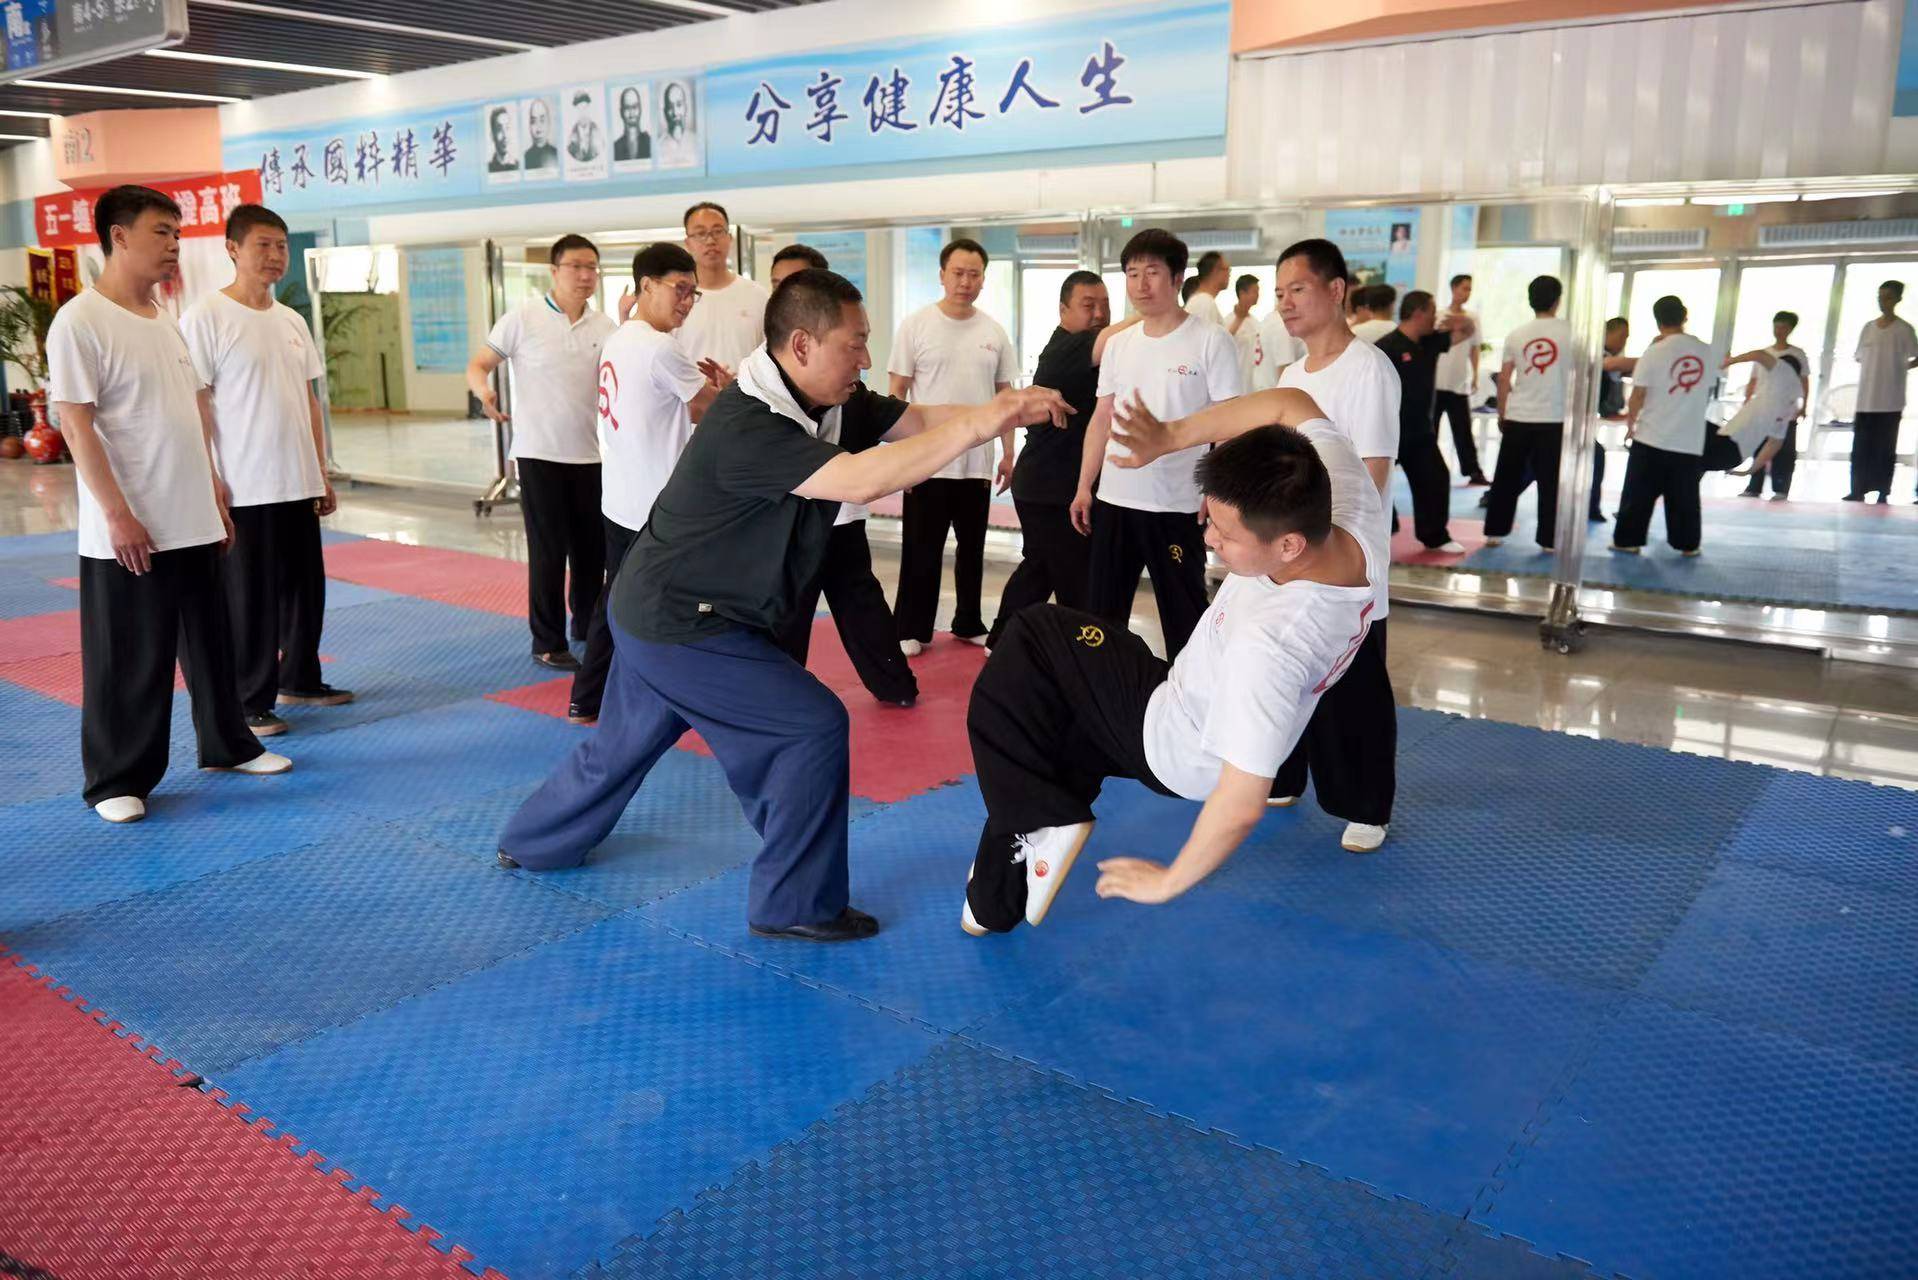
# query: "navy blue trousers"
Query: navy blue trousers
{"points": [[780, 735]]}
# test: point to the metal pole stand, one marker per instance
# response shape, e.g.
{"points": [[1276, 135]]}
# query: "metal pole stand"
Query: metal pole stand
{"points": [[504, 489], [1561, 628]]}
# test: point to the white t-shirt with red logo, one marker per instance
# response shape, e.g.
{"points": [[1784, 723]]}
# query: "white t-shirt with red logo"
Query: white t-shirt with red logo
{"points": [[1540, 354], [1676, 375], [955, 362], [1246, 683], [1192, 368], [646, 382], [1276, 348]]}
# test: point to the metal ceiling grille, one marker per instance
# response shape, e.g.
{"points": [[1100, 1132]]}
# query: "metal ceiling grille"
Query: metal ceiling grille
{"points": [[380, 37], [1657, 239], [1856, 231]]}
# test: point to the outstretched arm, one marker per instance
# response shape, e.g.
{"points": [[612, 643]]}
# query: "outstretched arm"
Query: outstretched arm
{"points": [[874, 473], [1235, 806], [1145, 438], [1760, 356]]}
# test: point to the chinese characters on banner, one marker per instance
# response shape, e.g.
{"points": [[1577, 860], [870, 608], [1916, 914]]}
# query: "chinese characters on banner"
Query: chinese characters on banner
{"points": [[1099, 80], [1381, 246], [67, 218]]}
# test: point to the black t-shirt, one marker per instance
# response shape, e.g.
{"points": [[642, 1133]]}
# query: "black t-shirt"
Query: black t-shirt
{"points": [[728, 543], [1048, 466], [1417, 363]]}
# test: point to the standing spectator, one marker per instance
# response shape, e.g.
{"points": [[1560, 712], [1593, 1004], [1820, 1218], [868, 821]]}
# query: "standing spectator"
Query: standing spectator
{"points": [[1887, 351]]}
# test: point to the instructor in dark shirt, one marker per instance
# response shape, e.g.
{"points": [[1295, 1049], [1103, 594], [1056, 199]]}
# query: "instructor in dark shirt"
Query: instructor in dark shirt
{"points": [[741, 526], [1414, 349], [1055, 557]]}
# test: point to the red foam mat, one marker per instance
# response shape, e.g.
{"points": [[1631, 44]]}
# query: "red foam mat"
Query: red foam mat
{"points": [[110, 1169], [58, 676], [40, 635], [897, 752], [451, 577]]}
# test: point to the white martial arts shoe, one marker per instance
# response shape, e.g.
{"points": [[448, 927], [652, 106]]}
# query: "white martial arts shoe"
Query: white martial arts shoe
{"points": [[267, 762], [1451, 548], [1362, 837], [1280, 802], [1495, 542], [911, 648], [1048, 854], [122, 809], [978, 640], [966, 920], [1625, 551]]}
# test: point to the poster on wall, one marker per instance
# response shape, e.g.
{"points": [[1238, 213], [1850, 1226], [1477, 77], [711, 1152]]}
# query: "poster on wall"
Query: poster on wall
{"points": [[436, 309], [1381, 246], [845, 253], [619, 136], [1905, 99], [1112, 78], [205, 202]]}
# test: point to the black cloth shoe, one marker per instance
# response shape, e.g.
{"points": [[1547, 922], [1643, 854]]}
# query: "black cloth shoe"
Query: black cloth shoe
{"points": [[1853, 497], [323, 696], [265, 724], [576, 714], [558, 660], [850, 925], [506, 861]]}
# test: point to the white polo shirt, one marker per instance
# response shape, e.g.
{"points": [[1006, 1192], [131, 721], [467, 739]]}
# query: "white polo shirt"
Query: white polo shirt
{"points": [[260, 364], [555, 367]]}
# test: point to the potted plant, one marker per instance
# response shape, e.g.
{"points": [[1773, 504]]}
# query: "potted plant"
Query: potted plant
{"points": [[24, 321]]}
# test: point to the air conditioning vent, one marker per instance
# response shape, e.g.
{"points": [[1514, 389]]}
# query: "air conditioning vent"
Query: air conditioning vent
{"points": [[1239, 239], [1657, 239], [1055, 246], [1797, 235]]}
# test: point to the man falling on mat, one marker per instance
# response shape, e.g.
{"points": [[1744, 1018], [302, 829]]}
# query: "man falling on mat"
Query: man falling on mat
{"points": [[1067, 700]]}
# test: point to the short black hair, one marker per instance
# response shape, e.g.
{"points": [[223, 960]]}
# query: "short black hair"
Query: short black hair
{"points": [[1669, 310], [662, 259], [1275, 480], [582, 99], [1897, 288], [1414, 302], [122, 207], [496, 113], [1245, 282], [245, 217], [1789, 317], [1208, 260], [1461, 278], [1073, 281], [566, 244], [1381, 297], [801, 253], [1791, 359], [963, 245], [1322, 257], [1186, 290], [1544, 292], [1616, 323], [813, 300], [1156, 242], [716, 207]]}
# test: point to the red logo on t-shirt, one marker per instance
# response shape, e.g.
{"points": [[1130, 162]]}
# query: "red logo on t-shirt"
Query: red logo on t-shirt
{"points": [[1540, 354], [608, 389], [1351, 649], [1687, 372]]}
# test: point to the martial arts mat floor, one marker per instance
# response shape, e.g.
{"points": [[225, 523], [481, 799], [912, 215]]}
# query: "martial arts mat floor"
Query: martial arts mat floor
{"points": [[1595, 1009]]}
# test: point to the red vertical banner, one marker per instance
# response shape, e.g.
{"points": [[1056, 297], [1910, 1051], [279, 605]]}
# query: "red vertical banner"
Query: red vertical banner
{"points": [[66, 274], [40, 274]]}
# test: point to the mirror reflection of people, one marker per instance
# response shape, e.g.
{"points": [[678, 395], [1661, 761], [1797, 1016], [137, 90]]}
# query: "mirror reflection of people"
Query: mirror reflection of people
{"points": [[1887, 352], [678, 143], [540, 151], [633, 142], [1534, 380], [500, 124], [583, 143], [1665, 417], [1785, 460]]}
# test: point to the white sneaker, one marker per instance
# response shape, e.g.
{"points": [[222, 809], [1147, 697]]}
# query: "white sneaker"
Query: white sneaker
{"points": [[1625, 551], [966, 920], [122, 809], [978, 640], [1048, 854], [1495, 542], [1361, 837], [911, 648], [1280, 802], [1451, 548], [267, 762]]}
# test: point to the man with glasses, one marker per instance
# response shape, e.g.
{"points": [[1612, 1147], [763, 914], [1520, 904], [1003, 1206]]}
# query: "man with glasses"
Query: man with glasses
{"points": [[553, 342], [729, 319]]}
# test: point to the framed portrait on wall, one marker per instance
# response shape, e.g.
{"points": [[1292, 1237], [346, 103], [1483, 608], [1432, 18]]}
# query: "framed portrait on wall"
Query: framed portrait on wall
{"points": [[633, 121], [677, 141], [499, 126], [539, 116]]}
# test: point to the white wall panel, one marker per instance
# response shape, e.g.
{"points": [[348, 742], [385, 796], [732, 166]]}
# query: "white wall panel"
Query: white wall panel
{"points": [[1770, 92]]}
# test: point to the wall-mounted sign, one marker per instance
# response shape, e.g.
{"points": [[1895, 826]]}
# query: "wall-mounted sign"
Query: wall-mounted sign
{"points": [[601, 136], [436, 308], [67, 218], [48, 36], [1122, 77], [1381, 246]]}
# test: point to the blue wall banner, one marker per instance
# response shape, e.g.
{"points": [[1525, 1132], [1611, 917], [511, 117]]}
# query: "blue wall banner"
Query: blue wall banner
{"points": [[1125, 76], [599, 138], [1905, 101], [845, 251], [436, 305], [1381, 246]]}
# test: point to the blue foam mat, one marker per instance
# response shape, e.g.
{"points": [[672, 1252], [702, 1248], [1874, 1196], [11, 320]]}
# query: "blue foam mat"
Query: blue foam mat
{"points": [[22, 597], [908, 868], [40, 743], [305, 941], [1865, 834], [1831, 963], [966, 1165], [1393, 1061], [1691, 1147], [19, 546], [599, 1082]]}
